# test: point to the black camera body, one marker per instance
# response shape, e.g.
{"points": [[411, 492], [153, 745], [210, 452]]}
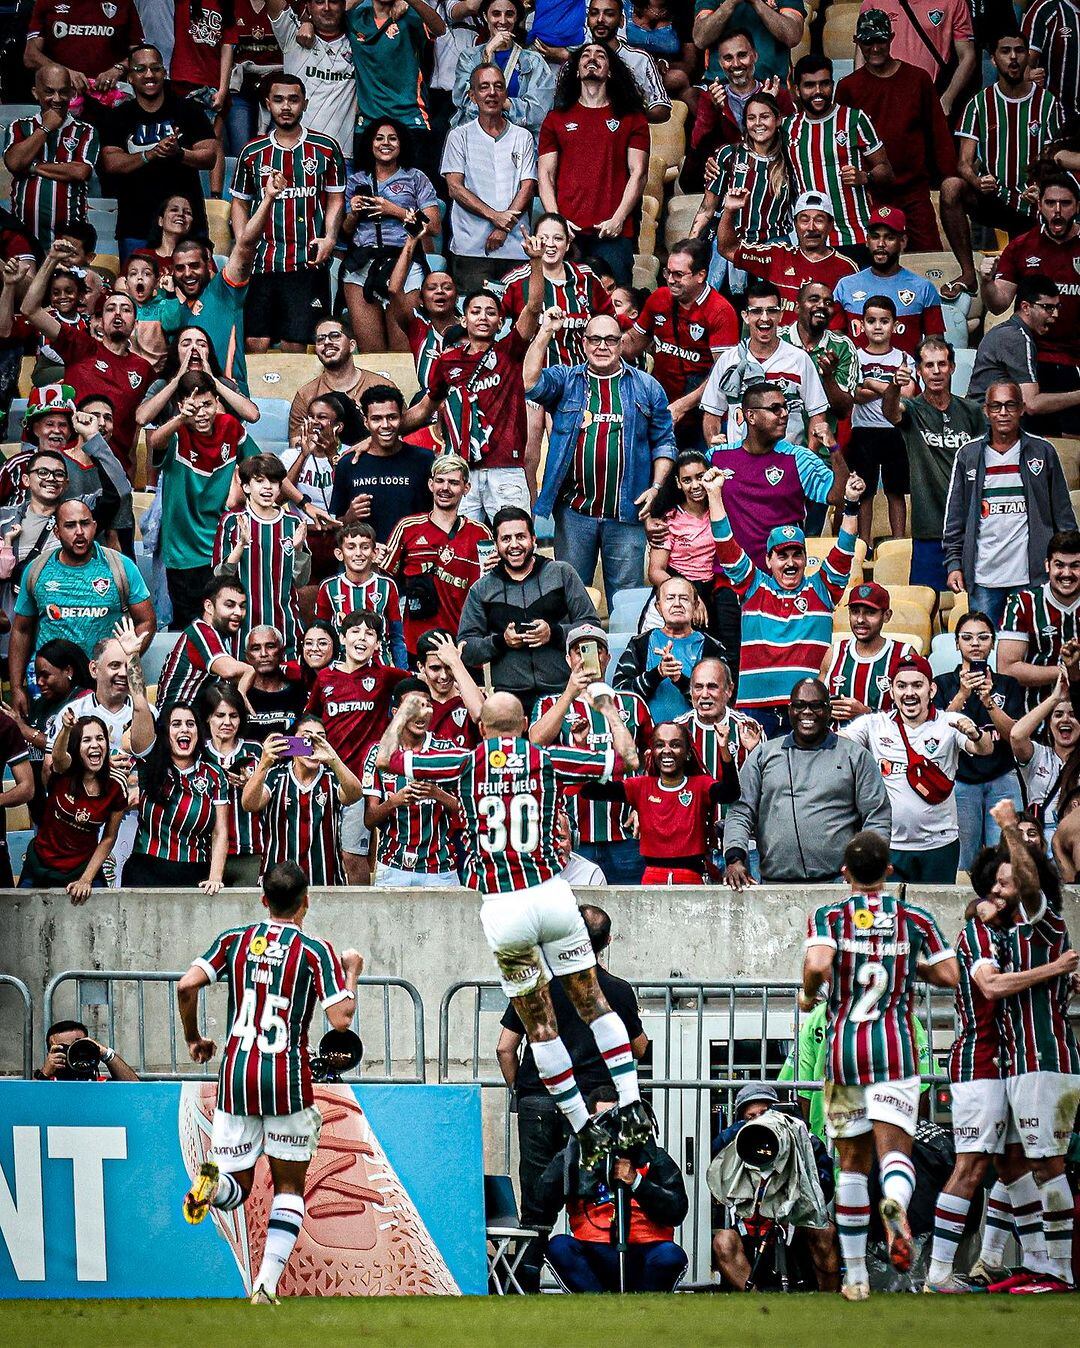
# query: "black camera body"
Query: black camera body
{"points": [[83, 1060], [339, 1052]]}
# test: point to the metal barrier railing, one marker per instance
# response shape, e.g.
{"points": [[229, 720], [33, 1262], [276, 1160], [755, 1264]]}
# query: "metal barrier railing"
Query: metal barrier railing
{"points": [[706, 1041], [162, 1056], [10, 981]]}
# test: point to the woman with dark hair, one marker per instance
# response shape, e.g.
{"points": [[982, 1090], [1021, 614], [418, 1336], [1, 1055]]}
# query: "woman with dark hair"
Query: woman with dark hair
{"points": [[85, 803], [380, 194], [319, 649], [500, 41], [173, 224], [62, 673], [222, 710], [183, 837], [190, 352], [1050, 765]]}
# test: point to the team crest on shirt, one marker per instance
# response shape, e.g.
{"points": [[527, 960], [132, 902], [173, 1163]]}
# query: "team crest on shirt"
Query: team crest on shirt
{"points": [[932, 746], [841, 138], [998, 699], [309, 165], [883, 682], [935, 16], [446, 556], [224, 453], [773, 475], [82, 815], [200, 785], [1036, 466], [459, 715], [800, 604], [287, 546], [367, 684], [697, 331], [685, 798], [612, 123], [101, 584], [906, 296], [134, 378], [109, 11]]}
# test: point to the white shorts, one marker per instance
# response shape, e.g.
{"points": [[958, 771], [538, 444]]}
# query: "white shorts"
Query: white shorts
{"points": [[492, 488], [391, 877], [1042, 1110], [413, 281], [851, 1111], [238, 1140], [354, 835], [535, 934], [980, 1116]]}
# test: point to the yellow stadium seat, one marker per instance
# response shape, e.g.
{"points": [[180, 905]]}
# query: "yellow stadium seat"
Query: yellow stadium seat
{"points": [[879, 524], [1069, 454], [817, 549], [18, 819], [276, 374], [839, 35], [1074, 497], [667, 140], [397, 366], [646, 271], [650, 209], [921, 596], [959, 608], [219, 229], [106, 263], [992, 320], [892, 562], [909, 638], [680, 216], [654, 181], [646, 239], [26, 375]]}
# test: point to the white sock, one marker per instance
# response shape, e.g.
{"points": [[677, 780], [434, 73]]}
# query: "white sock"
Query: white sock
{"points": [[282, 1228], [999, 1226], [229, 1194], [1027, 1211], [1057, 1209], [852, 1223], [557, 1073], [897, 1178], [950, 1214], [614, 1045]]}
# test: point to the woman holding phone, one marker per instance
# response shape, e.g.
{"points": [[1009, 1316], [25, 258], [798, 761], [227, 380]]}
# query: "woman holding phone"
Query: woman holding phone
{"points": [[299, 787], [993, 702]]}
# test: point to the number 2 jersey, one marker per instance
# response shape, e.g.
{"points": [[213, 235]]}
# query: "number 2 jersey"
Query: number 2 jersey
{"points": [[878, 941], [510, 792], [274, 972]]}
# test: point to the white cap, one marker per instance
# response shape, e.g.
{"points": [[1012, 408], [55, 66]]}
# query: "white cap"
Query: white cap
{"points": [[815, 201]]}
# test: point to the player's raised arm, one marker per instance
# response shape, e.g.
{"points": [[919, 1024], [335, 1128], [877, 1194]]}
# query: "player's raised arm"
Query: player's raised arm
{"points": [[199, 1049], [1024, 871], [622, 741], [390, 744], [340, 1013]]}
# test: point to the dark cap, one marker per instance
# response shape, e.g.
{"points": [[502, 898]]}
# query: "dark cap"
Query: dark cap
{"points": [[873, 25], [755, 1092]]}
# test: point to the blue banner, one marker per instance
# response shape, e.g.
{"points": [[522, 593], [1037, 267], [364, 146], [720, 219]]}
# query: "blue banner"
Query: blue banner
{"points": [[92, 1177]]}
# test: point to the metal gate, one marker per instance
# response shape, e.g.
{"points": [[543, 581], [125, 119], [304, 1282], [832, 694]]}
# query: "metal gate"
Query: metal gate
{"points": [[393, 1046], [706, 1040], [26, 1055]]}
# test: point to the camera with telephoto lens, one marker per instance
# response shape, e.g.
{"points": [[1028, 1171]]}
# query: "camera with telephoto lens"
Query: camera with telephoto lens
{"points": [[339, 1052], [83, 1060]]}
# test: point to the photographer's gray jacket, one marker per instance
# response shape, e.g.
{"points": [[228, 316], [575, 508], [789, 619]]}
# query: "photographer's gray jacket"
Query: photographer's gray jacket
{"points": [[1046, 492], [804, 806]]}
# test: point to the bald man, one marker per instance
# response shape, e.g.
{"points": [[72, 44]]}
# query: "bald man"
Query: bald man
{"points": [[50, 157], [510, 792]]}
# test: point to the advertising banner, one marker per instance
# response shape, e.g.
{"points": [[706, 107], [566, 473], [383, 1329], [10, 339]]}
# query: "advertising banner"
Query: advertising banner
{"points": [[92, 1176]]}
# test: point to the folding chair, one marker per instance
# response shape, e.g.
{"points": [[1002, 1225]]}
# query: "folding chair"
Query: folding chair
{"points": [[507, 1239]]}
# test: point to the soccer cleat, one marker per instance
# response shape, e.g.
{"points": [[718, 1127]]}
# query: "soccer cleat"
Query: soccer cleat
{"points": [[897, 1234], [261, 1297], [1042, 1285], [855, 1291], [595, 1142], [953, 1285], [981, 1275], [199, 1197], [1020, 1278], [633, 1127]]}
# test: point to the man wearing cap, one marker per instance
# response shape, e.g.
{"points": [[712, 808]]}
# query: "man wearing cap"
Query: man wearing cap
{"points": [[784, 265], [899, 98], [858, 673], [568, 719], [918, 304], [937, 36], [918, 749], [733, 1246]]}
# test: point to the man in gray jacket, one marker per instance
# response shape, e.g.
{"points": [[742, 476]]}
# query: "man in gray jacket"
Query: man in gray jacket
{"points": [[803, 797], [1007, 498], [516, 617]]}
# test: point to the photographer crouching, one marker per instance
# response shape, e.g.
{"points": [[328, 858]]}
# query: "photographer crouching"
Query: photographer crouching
{"points": [[588, 1260], [775, 1179], [71, 1055]]}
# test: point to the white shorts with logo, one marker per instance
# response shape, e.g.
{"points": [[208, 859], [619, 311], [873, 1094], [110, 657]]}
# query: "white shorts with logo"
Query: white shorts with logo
{"points": [[851, 1111], [238, 1140], [354, 834], [1042, 1111], [535, 934], [393, 877], [980, 1115], [492, 488]]}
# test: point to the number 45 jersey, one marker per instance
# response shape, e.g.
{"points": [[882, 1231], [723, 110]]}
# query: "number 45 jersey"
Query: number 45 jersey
{"points": [[510, 792], [878, 942], [274, 973]]}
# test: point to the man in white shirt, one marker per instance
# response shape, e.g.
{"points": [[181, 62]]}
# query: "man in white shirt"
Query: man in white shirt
{"points": [[918, 748], [490, 170], [326, 67]]}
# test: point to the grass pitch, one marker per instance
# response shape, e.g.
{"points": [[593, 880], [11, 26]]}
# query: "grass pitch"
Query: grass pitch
{"points": [[629, 1322]]}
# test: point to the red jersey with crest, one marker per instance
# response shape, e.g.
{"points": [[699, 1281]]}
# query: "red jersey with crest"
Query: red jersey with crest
{"points": [[90, 367], [788, 268], [451, 725], [86, 35], [481, 400], [687, 338], [419, 546], [354, 706], [71, 826], [673, 821]]}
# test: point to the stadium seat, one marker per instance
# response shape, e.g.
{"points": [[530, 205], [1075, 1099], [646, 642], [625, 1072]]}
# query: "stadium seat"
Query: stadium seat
{"points": [[817, 549], [992, 320], [617, 643], [271, 431], [626, 610], [680, 216], [922, 596], [14, 421], [879, 523], [108, 264], [1074, 497], [892, 562], [906, 617], [646, 239], [545, 528], [217, 220], [140, 502], [13, 112], [839, 35], [156, 654], [667, 140], [646, 272], [965, 363], [1069, 454], [397, 366], [278, 375], [654, 181], [507, 1239], [943, 654], [959, 608]]}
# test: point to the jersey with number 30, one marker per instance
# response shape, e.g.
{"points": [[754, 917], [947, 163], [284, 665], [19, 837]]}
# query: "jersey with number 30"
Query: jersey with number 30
{"points": [[510, 792], [274, 972], [878, 942]]}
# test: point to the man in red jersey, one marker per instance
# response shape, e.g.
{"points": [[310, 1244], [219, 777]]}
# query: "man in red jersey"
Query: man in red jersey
{"points": [[1050, 250], [688, 326], [92, 40]]}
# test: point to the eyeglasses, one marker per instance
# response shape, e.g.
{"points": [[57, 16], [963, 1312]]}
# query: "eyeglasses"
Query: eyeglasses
{"points": [[677, 275], [1009, 406], [151, 69], [604, 338], [758, 313], [1051, 306], [809, 706], [48, 475], [321, 338], [774, 408]]}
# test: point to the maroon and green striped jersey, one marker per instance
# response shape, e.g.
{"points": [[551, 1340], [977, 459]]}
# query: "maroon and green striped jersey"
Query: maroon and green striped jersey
{"points": [[579, 295], [416, 837], [866, 679], [1035, 617], [245, 828], [510, 791], [314, 170], [266, 570], [1010, 134], [275, 973], [878, 941], [599, 821], [1038, 1035], [977, 1053], [595, 479], [766, 216], [819, 150], [301, 824], [338, 597], [178, 825], [43, 203], [189, 662]]}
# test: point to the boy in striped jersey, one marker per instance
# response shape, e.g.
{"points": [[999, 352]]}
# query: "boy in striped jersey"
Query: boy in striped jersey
{"points": [[786, 615], [1041, 619], [361, 587], [275, 972], [510, 793], [870, 948], [859, 671], [979, 1071]]}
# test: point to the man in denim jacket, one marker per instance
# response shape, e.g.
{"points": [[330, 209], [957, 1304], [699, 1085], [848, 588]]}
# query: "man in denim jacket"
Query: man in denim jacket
{"points": [[611, 446]]}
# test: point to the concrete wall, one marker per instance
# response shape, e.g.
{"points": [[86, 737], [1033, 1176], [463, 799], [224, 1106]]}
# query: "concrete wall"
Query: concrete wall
{"points": [[433, 940]]}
